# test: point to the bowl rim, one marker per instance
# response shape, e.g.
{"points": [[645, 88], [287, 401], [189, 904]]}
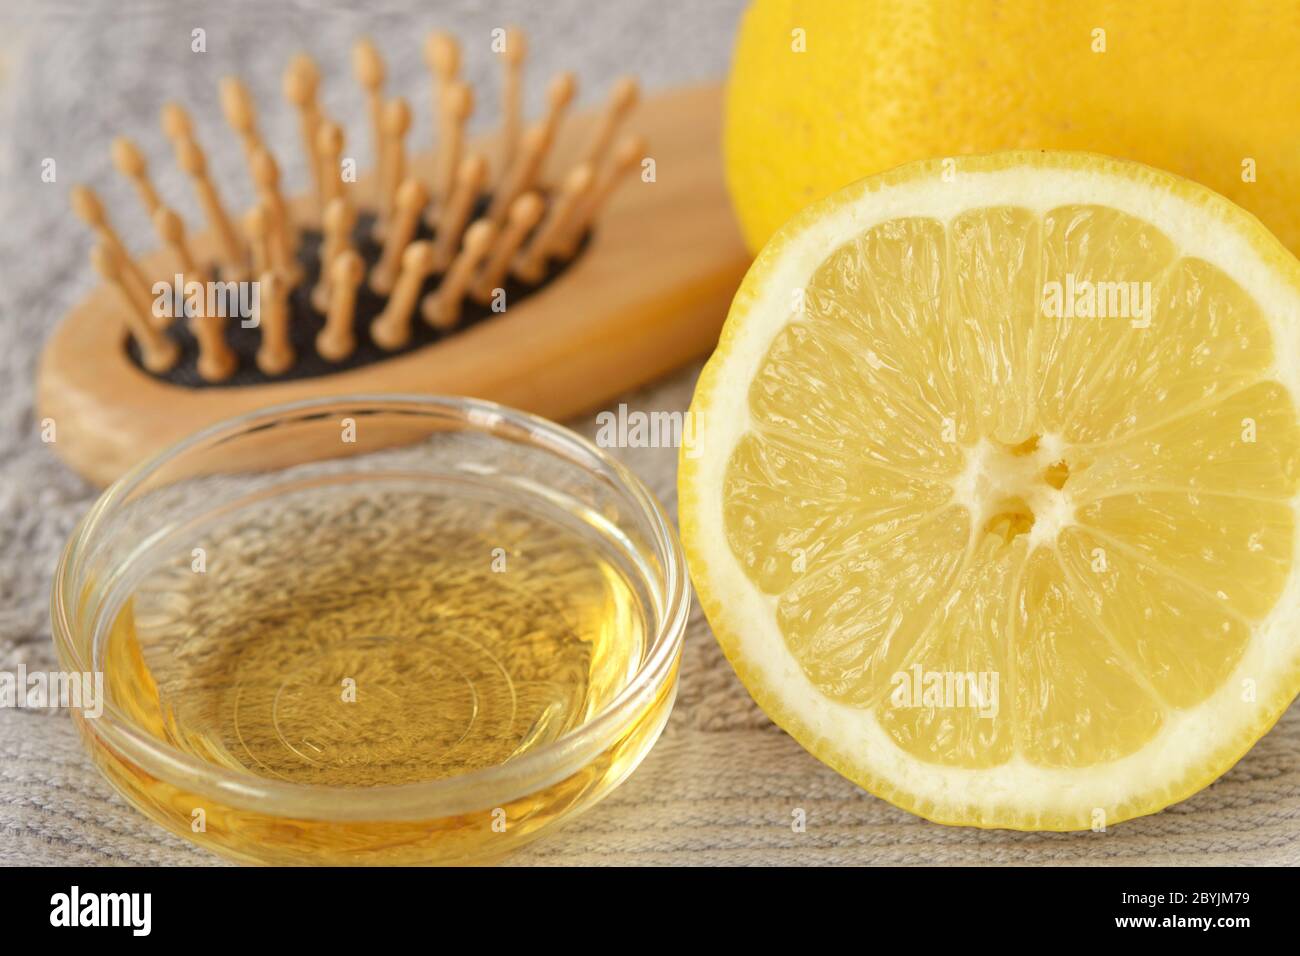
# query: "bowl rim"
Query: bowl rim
{"points": [[484, 787]]}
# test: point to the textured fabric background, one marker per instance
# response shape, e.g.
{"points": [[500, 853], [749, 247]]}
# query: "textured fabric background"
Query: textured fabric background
{"points": [[721, 785]]}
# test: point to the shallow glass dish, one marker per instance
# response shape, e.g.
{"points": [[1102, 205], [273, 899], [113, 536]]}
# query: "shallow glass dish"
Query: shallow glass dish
{"points": [[373, 630]]}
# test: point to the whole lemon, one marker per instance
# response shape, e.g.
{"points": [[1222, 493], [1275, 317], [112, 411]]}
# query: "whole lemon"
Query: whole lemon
{"points": [[822, 93]]}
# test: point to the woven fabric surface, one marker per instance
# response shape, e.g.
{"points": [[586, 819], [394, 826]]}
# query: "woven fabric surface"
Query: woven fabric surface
{"points": [[723, 784]]}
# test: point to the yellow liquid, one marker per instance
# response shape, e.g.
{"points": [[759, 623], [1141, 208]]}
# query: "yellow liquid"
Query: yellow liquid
{"points": [[360, 637]]}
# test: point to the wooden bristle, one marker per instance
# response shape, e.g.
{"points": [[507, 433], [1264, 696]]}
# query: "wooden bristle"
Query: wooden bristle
{"points": [[241, 114], [442, 55], [190, 158], [622, 98], [158, 353], [527, 167], [525, 213], [87, 207], [176, 124], [340, 217], [563, 88], [275, 354], [626, 159], [130, 162], [522, 176], [329, 154], [391, 329], [281, 255], [458, 107], [258, 229], [301, 88], [337, 340], [217, 361], [456, 212], [266, 180], [397, 122], [171, 230], [284, 252], [531, 265], [512, 95], [368, 67], [442, 308], [411, 198]]}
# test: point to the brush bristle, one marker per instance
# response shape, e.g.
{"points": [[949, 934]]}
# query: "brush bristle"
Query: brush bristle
{"points": [[457, 242]]}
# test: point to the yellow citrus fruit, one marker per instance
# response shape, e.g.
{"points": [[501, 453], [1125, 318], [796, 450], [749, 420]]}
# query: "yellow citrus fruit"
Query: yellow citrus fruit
{"points": [[992, 497], [824, 92]]}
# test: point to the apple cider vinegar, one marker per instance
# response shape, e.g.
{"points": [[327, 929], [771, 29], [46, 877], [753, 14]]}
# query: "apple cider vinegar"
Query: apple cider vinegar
{"points": [[371, 635]]}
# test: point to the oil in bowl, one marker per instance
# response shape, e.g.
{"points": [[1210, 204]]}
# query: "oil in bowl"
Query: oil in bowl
{"points": [[424, 645], [419, 635]]}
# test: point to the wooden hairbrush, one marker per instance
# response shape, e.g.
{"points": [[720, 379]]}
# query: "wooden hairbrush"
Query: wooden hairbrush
{"points": [[471, 270]]}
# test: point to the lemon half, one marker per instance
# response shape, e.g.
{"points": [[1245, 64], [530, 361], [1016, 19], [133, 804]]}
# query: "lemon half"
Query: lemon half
{"points": [[992, 501]]}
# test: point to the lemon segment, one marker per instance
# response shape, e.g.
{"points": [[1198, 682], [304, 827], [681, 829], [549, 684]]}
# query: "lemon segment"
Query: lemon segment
{"points": [[995, 510]]}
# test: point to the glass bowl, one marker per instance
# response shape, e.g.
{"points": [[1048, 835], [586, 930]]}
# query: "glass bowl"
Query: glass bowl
{"points": [[373, 630]]}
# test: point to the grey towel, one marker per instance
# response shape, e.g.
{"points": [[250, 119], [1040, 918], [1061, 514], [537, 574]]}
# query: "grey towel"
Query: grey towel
{"points": [[723, 783]]}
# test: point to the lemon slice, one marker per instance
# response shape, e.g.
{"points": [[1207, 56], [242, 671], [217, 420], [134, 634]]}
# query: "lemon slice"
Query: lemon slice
{"points": [[992, 498]]}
